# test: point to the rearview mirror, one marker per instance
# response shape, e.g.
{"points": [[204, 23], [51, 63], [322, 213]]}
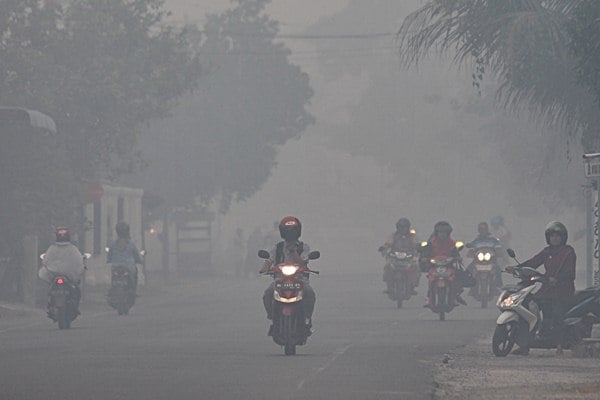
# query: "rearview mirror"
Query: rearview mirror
{"points": [[313, 255], [264, 254], [511, 253]]}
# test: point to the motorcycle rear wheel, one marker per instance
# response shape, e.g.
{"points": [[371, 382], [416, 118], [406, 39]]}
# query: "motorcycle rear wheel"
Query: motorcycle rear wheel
{"points": [[62, 319], [504, 338]]}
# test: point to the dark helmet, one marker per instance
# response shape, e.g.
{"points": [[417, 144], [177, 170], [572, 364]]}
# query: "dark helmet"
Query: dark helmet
{"points": [[122, 229], [403, 224], [556, 227], [290, 228], [62, 234], [442, 226]]}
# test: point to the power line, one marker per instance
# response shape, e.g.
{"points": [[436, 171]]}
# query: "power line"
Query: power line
{"points": [[301, 36]]}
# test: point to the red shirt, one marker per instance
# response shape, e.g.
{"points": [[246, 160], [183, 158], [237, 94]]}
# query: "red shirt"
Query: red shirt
{"points": [[559, 262], [442, 248]]}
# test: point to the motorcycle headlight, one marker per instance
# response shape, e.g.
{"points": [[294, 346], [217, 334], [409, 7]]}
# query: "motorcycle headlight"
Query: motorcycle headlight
{"points": [[512, 299], [433, 261], [480, 256], [487, 256], [288, 270]]}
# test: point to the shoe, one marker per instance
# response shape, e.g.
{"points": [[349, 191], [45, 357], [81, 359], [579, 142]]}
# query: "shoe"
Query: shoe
{"points": [[271, 330], [413, 292], [426, 305], [460, 300], [385, 291], [521, 351], [308, 327]]}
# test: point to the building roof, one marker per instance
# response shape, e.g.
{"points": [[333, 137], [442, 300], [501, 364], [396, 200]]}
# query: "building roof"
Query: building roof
{"points": [[33, 118]]}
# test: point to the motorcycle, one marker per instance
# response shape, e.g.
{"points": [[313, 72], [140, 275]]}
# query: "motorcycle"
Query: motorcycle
{"points": [[122, 293], [402, 262], [484, 267], [289, 327], [522, 319], [441, 274], [63, 297]]}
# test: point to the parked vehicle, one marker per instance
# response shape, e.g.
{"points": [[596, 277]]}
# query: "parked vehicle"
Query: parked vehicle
{"points": [[289, 328], [521, 317]]}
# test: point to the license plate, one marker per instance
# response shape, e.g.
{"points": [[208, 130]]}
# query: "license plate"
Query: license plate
{"points": [[289, 286], [483, 267]]}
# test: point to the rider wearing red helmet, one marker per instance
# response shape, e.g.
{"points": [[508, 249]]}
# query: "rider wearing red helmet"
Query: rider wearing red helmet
{"points": [[291, 249]]}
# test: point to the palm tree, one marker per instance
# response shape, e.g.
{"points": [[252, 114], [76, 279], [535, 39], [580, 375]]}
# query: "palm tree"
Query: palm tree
{"points": [[530, 46]]}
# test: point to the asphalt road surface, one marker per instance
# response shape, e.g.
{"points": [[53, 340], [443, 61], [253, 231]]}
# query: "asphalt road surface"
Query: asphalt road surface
{"points": [[207, 340]]}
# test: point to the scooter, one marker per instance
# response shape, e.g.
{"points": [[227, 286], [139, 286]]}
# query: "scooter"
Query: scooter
{"points": [[63, 297], [122, 293], [289, 327], [521, 317]]}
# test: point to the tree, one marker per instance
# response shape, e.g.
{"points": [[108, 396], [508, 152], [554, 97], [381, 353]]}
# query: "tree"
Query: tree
{"points": [[100, 69], [223, 139], [528, 44]]}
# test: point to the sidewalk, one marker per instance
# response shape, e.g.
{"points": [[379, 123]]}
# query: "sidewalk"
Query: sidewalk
{"points": [[473, 372]]}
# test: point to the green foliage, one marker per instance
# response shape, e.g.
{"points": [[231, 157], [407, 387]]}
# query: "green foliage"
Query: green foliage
{"points": [[100, 69], [223, 139], [526, 43]]}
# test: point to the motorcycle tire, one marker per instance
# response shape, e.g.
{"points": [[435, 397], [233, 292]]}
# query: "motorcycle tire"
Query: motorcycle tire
{"points": [[288, 335], [62, 319], [123, 308], [441, 300], [400, 293], [504, 338], [484, 292]]}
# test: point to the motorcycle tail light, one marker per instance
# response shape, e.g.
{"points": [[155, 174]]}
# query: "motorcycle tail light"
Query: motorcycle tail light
{"points": [[60, 281]]}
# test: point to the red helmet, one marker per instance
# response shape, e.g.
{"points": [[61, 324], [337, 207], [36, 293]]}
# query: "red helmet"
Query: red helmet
{"points": [[290, 228], [62, 234]]}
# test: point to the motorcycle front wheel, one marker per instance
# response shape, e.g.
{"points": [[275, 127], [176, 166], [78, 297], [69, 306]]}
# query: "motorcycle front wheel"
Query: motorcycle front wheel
{"points": [[400, 293], [504, 338], [441, 294], [288, 334]]}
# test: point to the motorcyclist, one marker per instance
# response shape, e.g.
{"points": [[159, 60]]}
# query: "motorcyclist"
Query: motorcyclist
{"points": [[559, 261], [123, 253], [63, 258], [483, 233], [292, 250], [404, 239], [440, 244]]}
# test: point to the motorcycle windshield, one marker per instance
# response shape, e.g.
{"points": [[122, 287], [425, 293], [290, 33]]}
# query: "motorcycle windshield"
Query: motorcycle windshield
{"points": [[485, 243]]}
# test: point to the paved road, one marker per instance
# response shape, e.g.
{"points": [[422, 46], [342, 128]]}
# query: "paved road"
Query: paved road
{"points": [[207, 340]]}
